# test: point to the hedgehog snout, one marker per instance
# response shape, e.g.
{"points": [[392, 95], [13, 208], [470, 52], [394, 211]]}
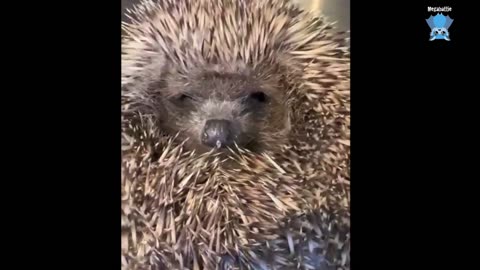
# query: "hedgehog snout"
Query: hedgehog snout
{"points": [[218, 133]]}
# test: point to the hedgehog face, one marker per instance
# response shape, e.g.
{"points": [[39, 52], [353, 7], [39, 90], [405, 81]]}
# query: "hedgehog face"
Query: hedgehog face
{"points": [[224, 110]]}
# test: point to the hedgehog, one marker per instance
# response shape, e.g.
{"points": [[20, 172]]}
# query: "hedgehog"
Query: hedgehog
{"points": [[235, 136]]}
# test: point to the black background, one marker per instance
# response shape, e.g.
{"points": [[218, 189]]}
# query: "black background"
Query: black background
{"points": [[414, 144], [413, 129]]}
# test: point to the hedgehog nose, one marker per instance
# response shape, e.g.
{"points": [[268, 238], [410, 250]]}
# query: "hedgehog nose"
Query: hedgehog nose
{"points": [[217, 133]]}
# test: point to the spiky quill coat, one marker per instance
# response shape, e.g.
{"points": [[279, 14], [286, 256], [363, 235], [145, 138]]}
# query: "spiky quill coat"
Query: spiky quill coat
{"points": [[181, 210]]}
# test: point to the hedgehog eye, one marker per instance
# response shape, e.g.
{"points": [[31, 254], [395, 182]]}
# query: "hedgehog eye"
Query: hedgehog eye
{"points": [[184, 97], [258, 97]]}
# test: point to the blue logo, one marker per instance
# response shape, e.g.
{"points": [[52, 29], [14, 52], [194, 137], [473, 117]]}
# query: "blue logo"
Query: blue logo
{"points": [[439, 25]]}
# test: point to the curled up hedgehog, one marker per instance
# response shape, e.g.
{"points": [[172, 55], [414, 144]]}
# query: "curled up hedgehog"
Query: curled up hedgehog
{"points": [[235, 137]]}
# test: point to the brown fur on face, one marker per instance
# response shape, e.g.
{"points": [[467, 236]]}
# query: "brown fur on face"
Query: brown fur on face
{"points": [[255, 105]]}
